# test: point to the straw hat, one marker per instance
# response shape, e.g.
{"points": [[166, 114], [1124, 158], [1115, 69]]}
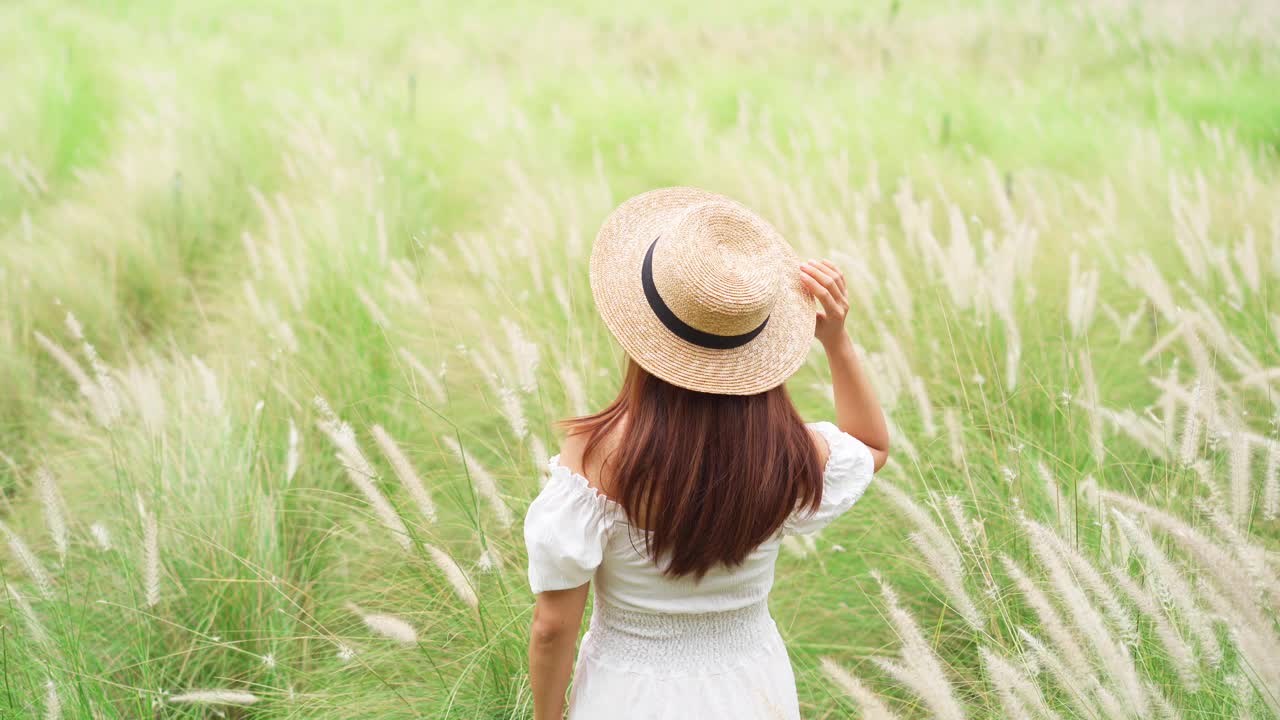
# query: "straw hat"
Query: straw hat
{"points": [[702, 292]]}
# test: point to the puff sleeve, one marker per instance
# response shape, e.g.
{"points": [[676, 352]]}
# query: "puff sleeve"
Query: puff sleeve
{"points": [[846, 477], [565, 531]]}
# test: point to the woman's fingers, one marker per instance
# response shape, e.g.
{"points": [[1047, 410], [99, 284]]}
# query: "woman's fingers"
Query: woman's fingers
{"points": [[839, 275], [820, 290], [829, 268], [827, 280]]}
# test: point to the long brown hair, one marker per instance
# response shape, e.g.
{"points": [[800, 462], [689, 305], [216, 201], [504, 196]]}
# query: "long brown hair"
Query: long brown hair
{"points": [[709, 476]]}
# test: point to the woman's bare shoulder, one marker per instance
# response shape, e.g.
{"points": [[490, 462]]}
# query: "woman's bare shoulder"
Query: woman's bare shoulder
{"points": [[573, 455], [572, 451], [819, 443]]}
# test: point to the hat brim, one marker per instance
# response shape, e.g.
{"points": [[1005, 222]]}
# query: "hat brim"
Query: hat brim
{"points": [[616, 259]]}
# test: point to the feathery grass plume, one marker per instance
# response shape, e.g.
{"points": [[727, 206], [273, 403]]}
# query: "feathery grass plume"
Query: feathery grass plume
{"points": [[286, 275], [1143, 431], [1192, 425], [1168, 403], [52, 703], [561, 295], [1225, 344], [251, 251], [900, 440], [1082, 297], [1093, 404], [62, 357], [513, 411], [1253, 558], [147, 395], [1203, 362], [894, 362], [489, 560], [1115, 659], [1176, 649], [1111, 707], [921, 396], [383, 508], [29, 561], [1250, 556], [292, 455], [1168, 341], [1248, 259], [1013, 348], [484, 483], [434, 385], [800, 545], [918, 666], [209, 381], [1231, 594], [375, 312], [1061, 508], [455, 575], [288, 339], [951, 419], [1244, 695], [969, 529], [524, 355], [359, 471], [869, 704], [1093, 580], [388, 626], [899, 291], [540, 458], [255, 303], [1019, 695], [107, 393], [87, 387], [1240, 453], [1271, 482], [1052, 624], [403, 286], [215, 697], [1173, 583], [489, 366], [74, 327], [101, 536], [1164, 709], [1082, 688], [404, 470], [1128, 324], [54, 511], [940, 552], [574, 390], [29, 617], [13, 464], [150, 555], [345, 653]]}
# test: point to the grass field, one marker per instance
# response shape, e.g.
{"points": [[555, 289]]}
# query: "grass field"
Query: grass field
{"points": [[291, 296]]}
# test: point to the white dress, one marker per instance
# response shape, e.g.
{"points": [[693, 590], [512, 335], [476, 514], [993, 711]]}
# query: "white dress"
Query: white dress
{"points": [[659, 648]]}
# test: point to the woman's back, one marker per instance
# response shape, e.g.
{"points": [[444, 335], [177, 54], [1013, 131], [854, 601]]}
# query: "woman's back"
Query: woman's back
{"points": [[710, 640]]}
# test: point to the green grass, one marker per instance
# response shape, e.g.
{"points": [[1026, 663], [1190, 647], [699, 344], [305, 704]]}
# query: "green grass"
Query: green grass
{"points": [[208, 180]]}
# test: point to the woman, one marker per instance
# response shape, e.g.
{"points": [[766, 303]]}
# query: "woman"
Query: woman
{"points": [[675, 498]]}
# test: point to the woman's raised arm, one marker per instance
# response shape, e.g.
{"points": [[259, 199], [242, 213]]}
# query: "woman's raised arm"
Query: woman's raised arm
{"points": [[857, 409]]}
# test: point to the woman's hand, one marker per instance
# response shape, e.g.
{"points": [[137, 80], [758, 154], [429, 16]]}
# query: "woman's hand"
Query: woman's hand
{"points": [[826, 282]]}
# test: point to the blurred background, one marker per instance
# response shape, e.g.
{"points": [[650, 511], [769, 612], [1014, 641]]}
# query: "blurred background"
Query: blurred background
{"points": [[237, 239]]}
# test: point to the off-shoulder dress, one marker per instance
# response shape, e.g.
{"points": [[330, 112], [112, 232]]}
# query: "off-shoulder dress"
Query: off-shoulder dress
{"points": [[661, 648]]}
